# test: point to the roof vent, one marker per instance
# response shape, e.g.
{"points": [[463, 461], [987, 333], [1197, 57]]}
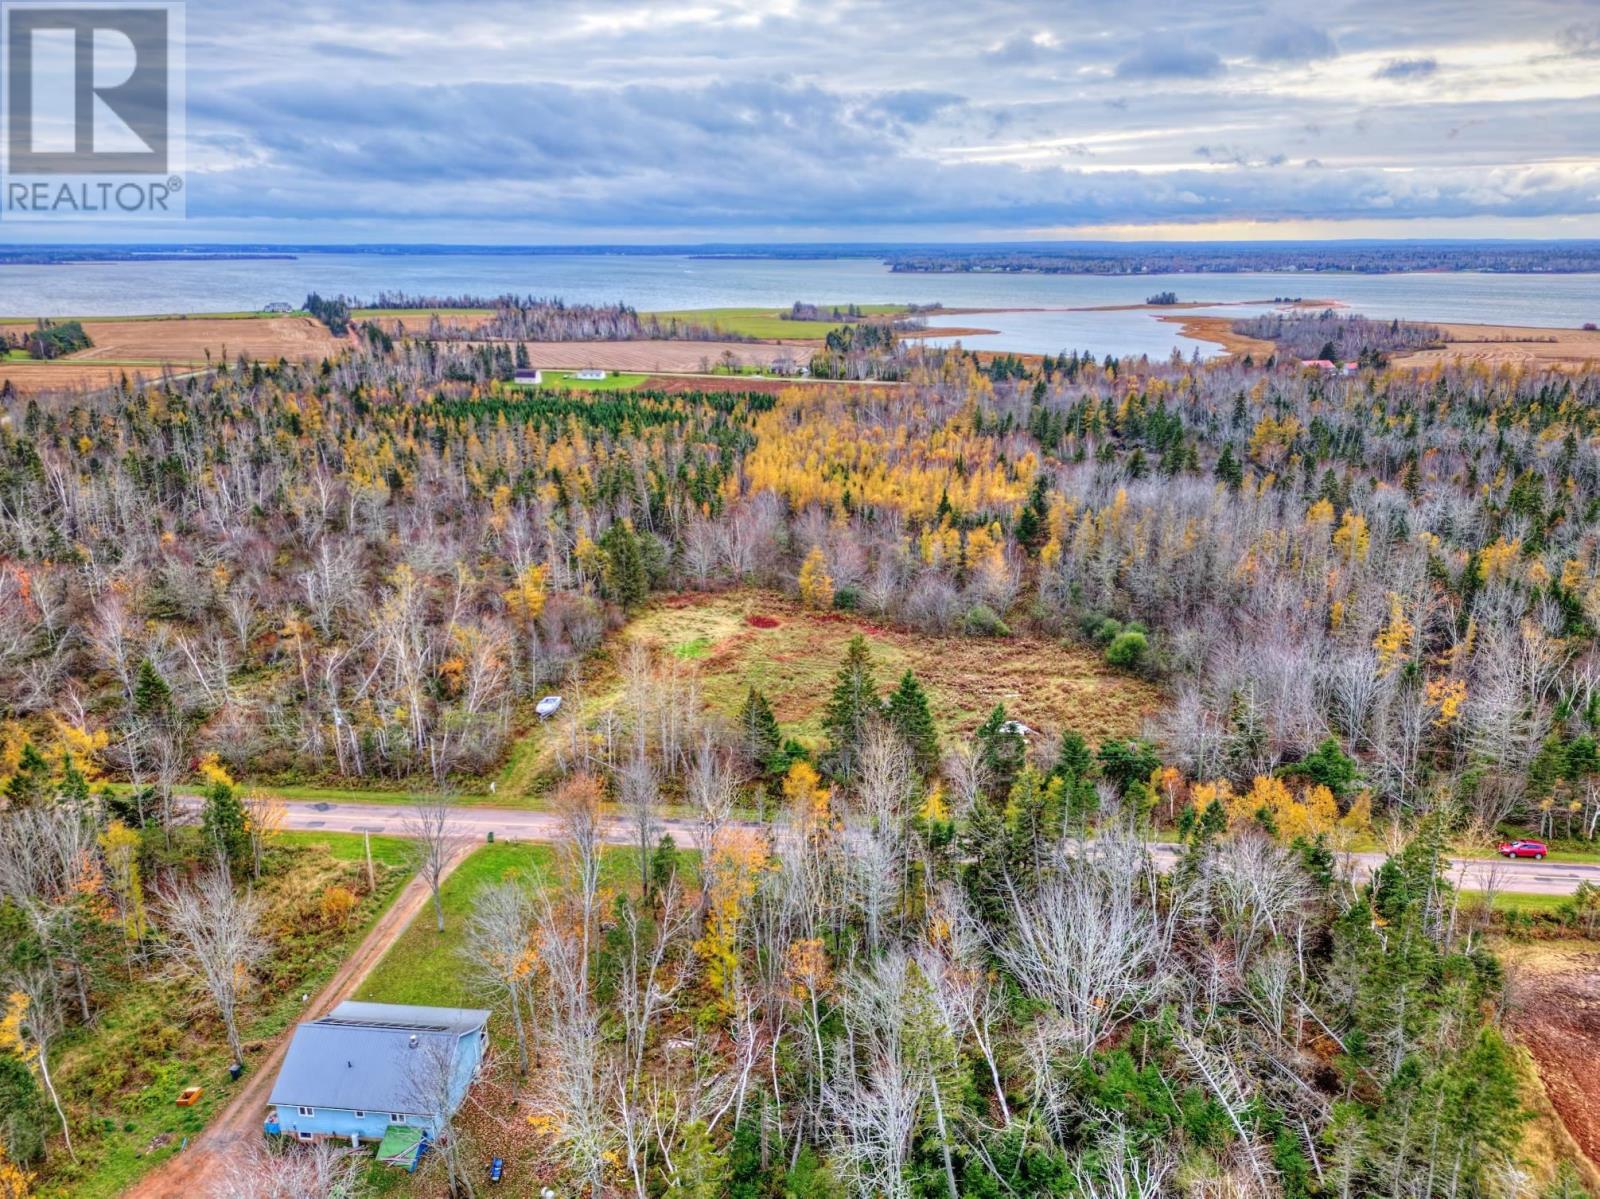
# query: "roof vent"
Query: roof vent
{"points": [[413, 1040]]}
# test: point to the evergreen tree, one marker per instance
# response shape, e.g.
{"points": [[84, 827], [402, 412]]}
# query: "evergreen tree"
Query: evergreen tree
{"points": [[1228, 469], [911, 718], [853, 702], [758, 730], [626, 581], [224, 824], [1001, 750], [1033, 522], [152, 698], [1124, 763], [29, 785], [1327, 766]]}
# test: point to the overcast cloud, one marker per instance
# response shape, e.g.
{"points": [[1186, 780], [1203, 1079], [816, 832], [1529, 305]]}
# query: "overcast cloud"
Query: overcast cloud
{"points": [[616, 120]]}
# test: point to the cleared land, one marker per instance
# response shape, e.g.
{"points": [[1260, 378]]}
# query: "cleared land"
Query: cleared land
{"points": [[740, 640], [1493, 345], [1555, 1013], [767, 323], [1507, 345], [142, 345], [650, 357]]}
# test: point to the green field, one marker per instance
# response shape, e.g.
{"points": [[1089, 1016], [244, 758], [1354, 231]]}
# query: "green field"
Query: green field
{"points": [[424, 966], [765, 323], [614, 381]]}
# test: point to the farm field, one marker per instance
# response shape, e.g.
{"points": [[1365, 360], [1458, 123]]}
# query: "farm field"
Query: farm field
{"points": [[143, 345], [651, 356], [1491, 345], [766, 323]]}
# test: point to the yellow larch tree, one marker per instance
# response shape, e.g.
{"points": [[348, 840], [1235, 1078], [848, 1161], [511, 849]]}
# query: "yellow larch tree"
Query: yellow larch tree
{"points": [[816, 585]]}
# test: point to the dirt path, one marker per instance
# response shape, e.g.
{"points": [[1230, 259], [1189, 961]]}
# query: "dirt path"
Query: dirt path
{"points": [[196, 1171]]}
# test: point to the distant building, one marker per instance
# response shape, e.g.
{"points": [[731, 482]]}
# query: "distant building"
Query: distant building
{"points": [[377, 1072], [528, 378], [278, 306], [589, 372], [1322, 364]]}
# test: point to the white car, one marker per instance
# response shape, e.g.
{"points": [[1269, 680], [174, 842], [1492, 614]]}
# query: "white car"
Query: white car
{"points": [[548, 706]]}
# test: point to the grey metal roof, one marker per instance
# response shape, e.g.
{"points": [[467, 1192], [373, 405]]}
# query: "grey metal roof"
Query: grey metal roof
{"points": [[360, 1056]]}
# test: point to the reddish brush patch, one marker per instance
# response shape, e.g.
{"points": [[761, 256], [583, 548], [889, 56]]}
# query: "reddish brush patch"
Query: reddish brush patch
{"points": [[762, 622]]}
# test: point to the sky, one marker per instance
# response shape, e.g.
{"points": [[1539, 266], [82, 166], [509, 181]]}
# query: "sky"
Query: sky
{"points": [[603, 121]]}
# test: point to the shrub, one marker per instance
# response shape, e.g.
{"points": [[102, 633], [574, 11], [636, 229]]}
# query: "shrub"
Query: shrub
{"points": [[1127, 650], [337, 902], [982, 621]]}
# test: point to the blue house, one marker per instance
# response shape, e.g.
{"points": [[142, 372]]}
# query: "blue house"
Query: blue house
{"points": [[383, 1072]]}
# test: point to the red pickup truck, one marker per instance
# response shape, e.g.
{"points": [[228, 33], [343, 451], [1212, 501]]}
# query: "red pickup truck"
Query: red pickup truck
{"points": [[1522, 849]]}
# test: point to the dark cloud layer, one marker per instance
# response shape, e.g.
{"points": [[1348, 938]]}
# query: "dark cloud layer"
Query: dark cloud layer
{"points": [[493, 120]]}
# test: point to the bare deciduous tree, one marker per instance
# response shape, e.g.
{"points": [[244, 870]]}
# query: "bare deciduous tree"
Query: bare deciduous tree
{"points": [[436, 840], [213, 936]]}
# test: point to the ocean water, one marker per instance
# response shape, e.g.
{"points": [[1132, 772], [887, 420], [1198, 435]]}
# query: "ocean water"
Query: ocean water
{"points": [[660, 282]]}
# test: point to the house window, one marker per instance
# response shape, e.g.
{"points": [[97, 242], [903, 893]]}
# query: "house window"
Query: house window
{"points": [[305, 1136], [360, 1115], [308, 1111], [396, 1118]]}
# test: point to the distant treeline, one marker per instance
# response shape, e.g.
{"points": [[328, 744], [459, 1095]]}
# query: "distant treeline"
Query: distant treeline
{"points": [[1163, 298], [1364, 258], [852, 313], [49, 339], [539, 318], [1339, 338]]}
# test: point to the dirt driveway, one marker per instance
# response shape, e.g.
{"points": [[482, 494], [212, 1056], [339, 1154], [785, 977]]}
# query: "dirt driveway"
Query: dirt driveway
{"points": [[197, 1171]]}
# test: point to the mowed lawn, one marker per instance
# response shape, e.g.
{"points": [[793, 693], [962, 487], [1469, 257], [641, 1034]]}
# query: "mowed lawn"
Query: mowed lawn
{"points": [[745, 639], [425, 966]]}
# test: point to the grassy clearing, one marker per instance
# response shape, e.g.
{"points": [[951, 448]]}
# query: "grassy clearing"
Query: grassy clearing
{"points": [[424, 966], [615, 381], [765, 323], [1044, 683], [153, 1036]]}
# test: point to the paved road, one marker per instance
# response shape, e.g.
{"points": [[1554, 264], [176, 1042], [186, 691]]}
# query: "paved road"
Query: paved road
{"points": [[518, 824]]}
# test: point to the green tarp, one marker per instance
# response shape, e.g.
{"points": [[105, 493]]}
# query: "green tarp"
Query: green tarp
{"points": [[399, 1145]]}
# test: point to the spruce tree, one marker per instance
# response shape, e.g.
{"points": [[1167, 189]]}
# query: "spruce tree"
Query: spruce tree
{"points": [[152, 698], [1001, 750], [626, 581], [758, 729], [224, 824], [854, 700], [911, 718]]}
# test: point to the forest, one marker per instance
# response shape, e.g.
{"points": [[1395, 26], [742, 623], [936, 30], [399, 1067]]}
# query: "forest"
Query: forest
{"points": [[1385, 257], [937, 963]]}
